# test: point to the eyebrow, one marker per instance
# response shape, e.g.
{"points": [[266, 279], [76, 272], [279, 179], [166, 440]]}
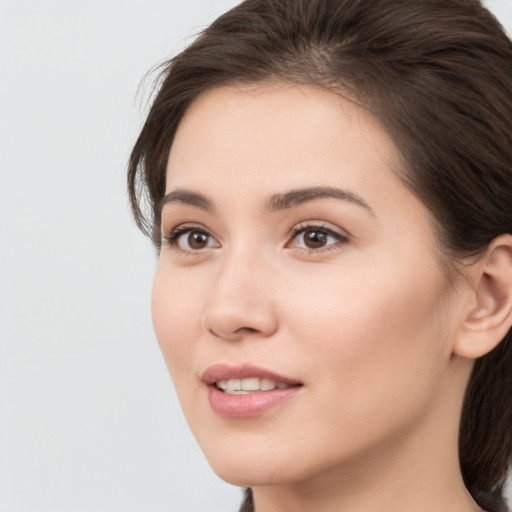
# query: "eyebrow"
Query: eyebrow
{"points": [[274, 203], [189, 198], [300, 196]]}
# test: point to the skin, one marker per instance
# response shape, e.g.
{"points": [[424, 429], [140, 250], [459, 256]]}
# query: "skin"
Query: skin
{"points": [[369, 323]]}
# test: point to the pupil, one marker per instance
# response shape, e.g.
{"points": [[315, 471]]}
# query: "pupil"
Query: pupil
{"points": [[197, 240], [315, 239]]}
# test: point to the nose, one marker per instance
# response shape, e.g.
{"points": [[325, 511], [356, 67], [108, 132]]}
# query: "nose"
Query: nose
{"points": [[241, 302]]}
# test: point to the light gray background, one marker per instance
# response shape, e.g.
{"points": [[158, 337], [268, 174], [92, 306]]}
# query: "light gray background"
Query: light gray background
{"points": [[88, 418]]}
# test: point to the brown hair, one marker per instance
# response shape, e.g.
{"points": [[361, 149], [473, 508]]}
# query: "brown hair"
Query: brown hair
{"points": [[438, 76]]}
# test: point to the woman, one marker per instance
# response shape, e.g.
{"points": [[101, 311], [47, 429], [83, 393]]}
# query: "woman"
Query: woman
{"points": [[329, 186]]}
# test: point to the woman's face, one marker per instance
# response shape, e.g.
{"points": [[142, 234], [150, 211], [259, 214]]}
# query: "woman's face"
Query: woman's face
{"points": [[297, 265]]}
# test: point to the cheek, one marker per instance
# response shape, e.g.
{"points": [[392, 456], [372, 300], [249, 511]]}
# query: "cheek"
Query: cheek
{"points": [[176, 301], [374, 339]]}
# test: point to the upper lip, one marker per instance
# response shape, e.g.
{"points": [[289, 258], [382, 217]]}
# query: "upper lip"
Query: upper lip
{"points": [[223, 371]]}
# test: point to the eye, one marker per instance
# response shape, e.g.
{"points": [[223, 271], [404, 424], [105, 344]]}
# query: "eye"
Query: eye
{"points": [[316, 238], [190, 239]]}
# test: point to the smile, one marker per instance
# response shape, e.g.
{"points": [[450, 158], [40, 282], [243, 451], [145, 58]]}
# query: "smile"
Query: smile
{"points": [[246, 391], [250, 385]]}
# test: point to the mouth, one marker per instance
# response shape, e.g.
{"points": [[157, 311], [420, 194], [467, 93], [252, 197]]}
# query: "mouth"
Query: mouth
{"points": [[247, 391], [245, 378], [250, 385]]}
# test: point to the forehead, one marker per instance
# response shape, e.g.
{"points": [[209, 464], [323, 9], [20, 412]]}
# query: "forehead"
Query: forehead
{"points": [[280, 132]]}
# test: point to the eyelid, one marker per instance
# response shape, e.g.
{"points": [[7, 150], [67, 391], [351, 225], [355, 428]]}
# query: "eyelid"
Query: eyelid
{"points": [[171, 237], [302, 227]]}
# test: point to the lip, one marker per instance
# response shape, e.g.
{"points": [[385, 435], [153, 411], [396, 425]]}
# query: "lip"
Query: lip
{"points": [[251, 404], [244, 371]]}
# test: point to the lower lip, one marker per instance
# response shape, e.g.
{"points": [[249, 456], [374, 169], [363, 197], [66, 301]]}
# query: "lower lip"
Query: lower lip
{"points": [[250, 404]]}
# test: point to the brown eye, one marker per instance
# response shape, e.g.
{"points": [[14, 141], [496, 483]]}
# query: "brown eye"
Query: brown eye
{"points": [[190, 239], [314, 239], [197, 240]]}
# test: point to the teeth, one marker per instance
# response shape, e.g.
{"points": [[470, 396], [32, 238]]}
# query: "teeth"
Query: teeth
{"points": [[251, 384], [234, 385], [267, 384], [222, 384], [244, 386]]}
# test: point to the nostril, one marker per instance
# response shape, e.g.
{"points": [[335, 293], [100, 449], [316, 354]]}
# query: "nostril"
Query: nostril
{"points": [[234, 334], [247, 329], [235, 319]]}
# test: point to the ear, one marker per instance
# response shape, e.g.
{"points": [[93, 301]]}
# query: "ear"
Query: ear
{"points": [[490, 315]]}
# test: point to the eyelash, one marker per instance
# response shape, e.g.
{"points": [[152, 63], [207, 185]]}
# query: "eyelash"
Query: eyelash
{"points": [[172, 238], [302, 228]]}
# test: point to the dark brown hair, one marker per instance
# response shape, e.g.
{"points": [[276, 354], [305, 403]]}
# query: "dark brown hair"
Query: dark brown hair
{"points": [[438, 76]]}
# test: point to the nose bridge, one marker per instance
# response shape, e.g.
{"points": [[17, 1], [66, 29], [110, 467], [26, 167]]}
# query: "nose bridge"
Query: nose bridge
{"points": [[240, 301]]}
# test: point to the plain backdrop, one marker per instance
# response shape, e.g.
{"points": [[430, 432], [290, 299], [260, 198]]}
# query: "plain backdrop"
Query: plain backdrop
{"points": [[88, 418]]}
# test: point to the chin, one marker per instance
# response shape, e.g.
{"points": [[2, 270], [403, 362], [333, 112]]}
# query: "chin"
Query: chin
{"points": [[241, 469], [255, 465], [250, 465], [240, 478], [242, 475]]}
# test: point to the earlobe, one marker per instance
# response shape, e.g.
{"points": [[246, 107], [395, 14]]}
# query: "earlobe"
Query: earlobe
{"points": [[491, 317]]}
